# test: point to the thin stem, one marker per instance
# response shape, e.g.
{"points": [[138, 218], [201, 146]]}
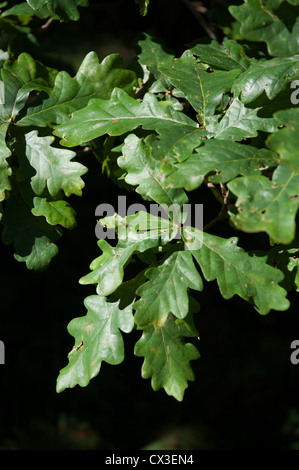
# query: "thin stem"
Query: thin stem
{"points": [[47, 23], [214, 190], [41, 29], [220, 197]]}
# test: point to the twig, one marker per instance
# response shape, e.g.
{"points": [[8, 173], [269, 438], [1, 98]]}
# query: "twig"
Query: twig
{"points": [[214, 190], [47, 23], [223, 199], [200, 19], [41, 29]]}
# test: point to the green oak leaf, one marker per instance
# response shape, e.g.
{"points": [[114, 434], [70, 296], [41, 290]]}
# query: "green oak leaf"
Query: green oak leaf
{"points": [[19, 78], [260, 23], [177, 144], [226, 56], [23, 9], [167, 289], [119, 115], [54, 168], [141, 160], [55, 212], [166, 357], [136, 233], [97, 339], [285, 141], [239, 273], [269, 76], [265, 205], [33, 238], [64, 9], [151, 54], [239, 123], [107, 271], [202, 89], [92, 80], [227, 159]]}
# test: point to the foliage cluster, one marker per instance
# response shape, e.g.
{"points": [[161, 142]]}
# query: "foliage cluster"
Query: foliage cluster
{"points": [[222, 116]]}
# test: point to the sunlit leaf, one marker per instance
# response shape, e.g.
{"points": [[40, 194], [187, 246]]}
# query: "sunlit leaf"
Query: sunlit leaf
{"points": [[119, 115], [97, 339], [93, 79]]}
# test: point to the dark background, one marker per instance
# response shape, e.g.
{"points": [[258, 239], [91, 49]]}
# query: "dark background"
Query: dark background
{"points": [[245, 395]]}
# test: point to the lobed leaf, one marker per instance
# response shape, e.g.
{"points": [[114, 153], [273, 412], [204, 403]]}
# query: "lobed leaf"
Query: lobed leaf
{"points": [[265, 205], [239, 123], [260, 23], [177, 143], [20, 77], [238, 272], [269, 76], [227, 159], [202, 89], [119, 115], [70, 94], [97, 338], [153, 53], [285, 141], [140, 159], [137, 233], [53, 166], [229, 55], [166, 290], [55, 212], [166, 357]]}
